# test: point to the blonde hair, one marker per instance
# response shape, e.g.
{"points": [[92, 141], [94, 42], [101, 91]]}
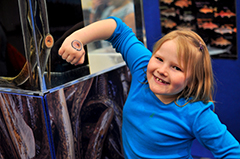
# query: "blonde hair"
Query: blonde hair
{"points": [[193, 53]]}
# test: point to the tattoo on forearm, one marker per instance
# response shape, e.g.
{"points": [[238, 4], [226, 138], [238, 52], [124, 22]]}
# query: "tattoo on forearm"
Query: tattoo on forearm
{"points": [[77, 45]]}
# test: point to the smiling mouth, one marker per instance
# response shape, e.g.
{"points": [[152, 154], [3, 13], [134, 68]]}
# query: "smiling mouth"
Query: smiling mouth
{"points": [[162, 81]]}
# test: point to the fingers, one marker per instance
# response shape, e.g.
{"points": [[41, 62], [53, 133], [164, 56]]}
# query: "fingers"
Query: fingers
{"points": [[81, 61], [76, 60], [64, 55], [60, 51], [71, 55]]}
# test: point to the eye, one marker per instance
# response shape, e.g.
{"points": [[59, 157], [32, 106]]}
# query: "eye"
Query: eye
{"points": [[160, 59], [177, 68]]}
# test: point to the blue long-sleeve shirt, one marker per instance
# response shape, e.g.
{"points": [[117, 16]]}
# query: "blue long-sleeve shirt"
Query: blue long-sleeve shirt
{"points": [[152, 129]]}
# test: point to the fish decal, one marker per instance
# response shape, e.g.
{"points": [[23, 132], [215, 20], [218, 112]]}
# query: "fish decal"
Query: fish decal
{"points": [[187, 17], [223, 14], [183, 3], [79, 97], [169, 23], [167, 1], [221, 42], [187, 26], [23, 131], [234, 30], [59, 114], [169, 12], [112, 148], [224, 30], [20, 133], [207, 9], [208, 25], [90, 110], [217, 51], [94, 150]]}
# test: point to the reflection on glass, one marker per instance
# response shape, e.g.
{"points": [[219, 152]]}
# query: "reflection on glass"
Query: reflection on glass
{"points": [[12, 57], [101, 54], [95, 10], [64, 18], [28, 64]]}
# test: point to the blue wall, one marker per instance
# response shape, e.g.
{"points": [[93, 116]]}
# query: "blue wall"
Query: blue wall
{"points": [[227, 72]]}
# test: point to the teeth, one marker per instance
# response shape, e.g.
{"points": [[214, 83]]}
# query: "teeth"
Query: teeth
{"points": [[159, 80]]}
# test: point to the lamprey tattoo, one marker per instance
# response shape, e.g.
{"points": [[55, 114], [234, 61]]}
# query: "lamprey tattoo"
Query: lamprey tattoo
{"points": [[77, 45]]}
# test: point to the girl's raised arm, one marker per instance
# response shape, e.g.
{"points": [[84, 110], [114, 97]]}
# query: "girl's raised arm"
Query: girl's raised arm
{"points": [[72, 48]]}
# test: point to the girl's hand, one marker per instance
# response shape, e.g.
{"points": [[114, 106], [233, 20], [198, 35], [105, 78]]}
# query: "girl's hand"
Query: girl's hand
{"points": [[72, 51]]}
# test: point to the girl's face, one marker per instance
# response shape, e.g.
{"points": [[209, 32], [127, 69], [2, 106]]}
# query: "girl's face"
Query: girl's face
{"points": [[166, 77]]}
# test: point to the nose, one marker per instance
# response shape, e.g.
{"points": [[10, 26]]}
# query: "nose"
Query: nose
{"points": [[163, 70]]}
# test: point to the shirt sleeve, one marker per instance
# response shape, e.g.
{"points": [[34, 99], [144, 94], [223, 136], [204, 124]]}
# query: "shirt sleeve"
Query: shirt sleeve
{"points": [[212, 134], [134, 53]]}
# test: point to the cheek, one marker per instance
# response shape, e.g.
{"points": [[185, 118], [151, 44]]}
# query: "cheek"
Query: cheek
{"points": [[151, 64], [148, 73], [180, 83], [150, 67]]}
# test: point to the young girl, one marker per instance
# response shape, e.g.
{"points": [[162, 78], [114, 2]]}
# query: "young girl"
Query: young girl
{"points": [[170, 99]]}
